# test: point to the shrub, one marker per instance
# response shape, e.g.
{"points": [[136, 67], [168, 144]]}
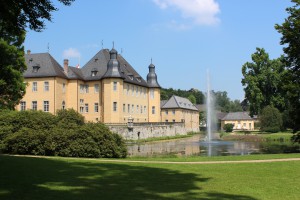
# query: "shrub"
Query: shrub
{"points": [[270, 120], [228, 128], [40, 133], [25, 141]]}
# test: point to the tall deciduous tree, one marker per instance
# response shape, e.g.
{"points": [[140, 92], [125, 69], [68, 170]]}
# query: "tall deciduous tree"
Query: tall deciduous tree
{"points": [[291, 41], [263, 82], [15, 17]]}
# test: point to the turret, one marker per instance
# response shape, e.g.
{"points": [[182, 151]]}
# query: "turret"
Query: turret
{"points": [[152, 77], [113, 66]]}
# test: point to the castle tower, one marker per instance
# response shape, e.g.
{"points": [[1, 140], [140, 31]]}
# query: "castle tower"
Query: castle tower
{"points": [[112, 84], [153, 95]]}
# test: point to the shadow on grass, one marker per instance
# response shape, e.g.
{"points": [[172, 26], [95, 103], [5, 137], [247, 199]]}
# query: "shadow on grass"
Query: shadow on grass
{"points": [[41, 178]]}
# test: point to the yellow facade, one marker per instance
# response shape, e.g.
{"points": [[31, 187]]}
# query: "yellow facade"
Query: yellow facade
{"points": [[189, 117], [239, 124], [110, 91]]}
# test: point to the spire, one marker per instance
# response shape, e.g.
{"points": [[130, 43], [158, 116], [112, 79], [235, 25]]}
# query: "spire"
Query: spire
{"points": [[113, 65], [152, 77]]}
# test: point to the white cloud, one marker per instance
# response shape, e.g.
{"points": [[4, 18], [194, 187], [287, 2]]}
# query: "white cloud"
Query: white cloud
{"points": [[203, 12], [71, 53]]}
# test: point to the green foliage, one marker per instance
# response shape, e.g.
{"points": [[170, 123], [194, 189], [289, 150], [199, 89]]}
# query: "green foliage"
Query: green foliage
{"points": [[40, 133], [224, 104], [228, 128], [15, 17], [290, 39], [192, 99], [263, 82], [270, 120], [166, 94]]}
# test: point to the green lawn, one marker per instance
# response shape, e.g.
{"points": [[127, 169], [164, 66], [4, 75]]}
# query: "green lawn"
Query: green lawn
{"points": [[69, 178]]}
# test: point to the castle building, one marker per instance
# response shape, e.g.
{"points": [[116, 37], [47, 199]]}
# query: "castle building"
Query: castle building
{"points": [[179, 109], [105, 89]]}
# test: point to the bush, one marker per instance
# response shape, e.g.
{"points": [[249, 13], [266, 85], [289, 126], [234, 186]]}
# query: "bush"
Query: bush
{"points": [[228, 128], [40, 133], [270, 120]]}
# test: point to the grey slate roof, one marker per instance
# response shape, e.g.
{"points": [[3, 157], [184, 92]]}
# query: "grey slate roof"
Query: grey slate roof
{"points": [[237, 116], [48, 66], [163, 102], [179, 102], [99, 62]]}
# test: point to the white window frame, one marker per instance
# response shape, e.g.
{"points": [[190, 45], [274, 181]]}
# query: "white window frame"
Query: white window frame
{"points": [[23, 105], [34, 86], [115, 106], [34, 105], [46, 86], [46, 106], [96, 107], [86, 108], [96, 88], [115, 86]]}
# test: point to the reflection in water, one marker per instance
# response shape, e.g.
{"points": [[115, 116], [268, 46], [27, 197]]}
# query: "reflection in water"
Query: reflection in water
{"points": [[193, 146]]}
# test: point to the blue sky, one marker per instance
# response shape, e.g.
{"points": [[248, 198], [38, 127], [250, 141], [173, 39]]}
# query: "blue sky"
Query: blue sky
{"points": [[183, 37]]}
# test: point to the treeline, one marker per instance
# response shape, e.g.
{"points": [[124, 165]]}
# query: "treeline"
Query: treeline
{"points": [[64, 134], [221, 101]]}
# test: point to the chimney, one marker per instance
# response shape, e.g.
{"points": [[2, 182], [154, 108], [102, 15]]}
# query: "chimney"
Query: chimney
{"points": [[28, 52], [66, 65]]}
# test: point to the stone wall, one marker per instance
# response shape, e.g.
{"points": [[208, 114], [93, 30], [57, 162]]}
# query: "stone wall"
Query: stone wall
{"points": [[148, 130]]}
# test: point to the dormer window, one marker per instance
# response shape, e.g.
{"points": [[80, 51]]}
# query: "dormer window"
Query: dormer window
{"points": [[94, 72], [35, 68], [130, 76], [138, 79]]}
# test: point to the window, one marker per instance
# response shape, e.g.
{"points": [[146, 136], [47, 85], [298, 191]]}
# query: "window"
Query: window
{"points": [[81, 101], [86, 107], [167, 120], [63, 105], [173, 111], [81, 88], [46, 106], [173, 120], [244, 125], [132, 90], [124, 108], [34, 105], [128, 108], [167, 112], [81, 109], [46, 86], [145, 110], [153, 110], [96, 88], [152, 93], [86, 87], [137, 109], [132, 108], [96, 107], [64, 87], [34, 86], [136, 90], [115, 86], [127, 89], [115, 106], [23, 105], [141, 109]]}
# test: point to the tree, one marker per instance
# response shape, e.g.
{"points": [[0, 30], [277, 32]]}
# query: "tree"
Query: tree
{"points": [[263, 82], [192, 99], [270, 120], [228, 128], [15, 17], [290, 39]]}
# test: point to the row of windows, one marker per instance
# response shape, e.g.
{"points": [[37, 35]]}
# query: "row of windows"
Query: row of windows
{"points": [[131, 108], [167, 112], [84, 88], [85, 108], [34, 105], [135, 90], [46, 86]]}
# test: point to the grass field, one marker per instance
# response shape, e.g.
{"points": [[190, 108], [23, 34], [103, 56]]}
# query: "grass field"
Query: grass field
{"points": [[69, 178]]}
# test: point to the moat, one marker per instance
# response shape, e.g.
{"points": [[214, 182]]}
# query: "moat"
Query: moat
{"points": [[193, 146]]}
